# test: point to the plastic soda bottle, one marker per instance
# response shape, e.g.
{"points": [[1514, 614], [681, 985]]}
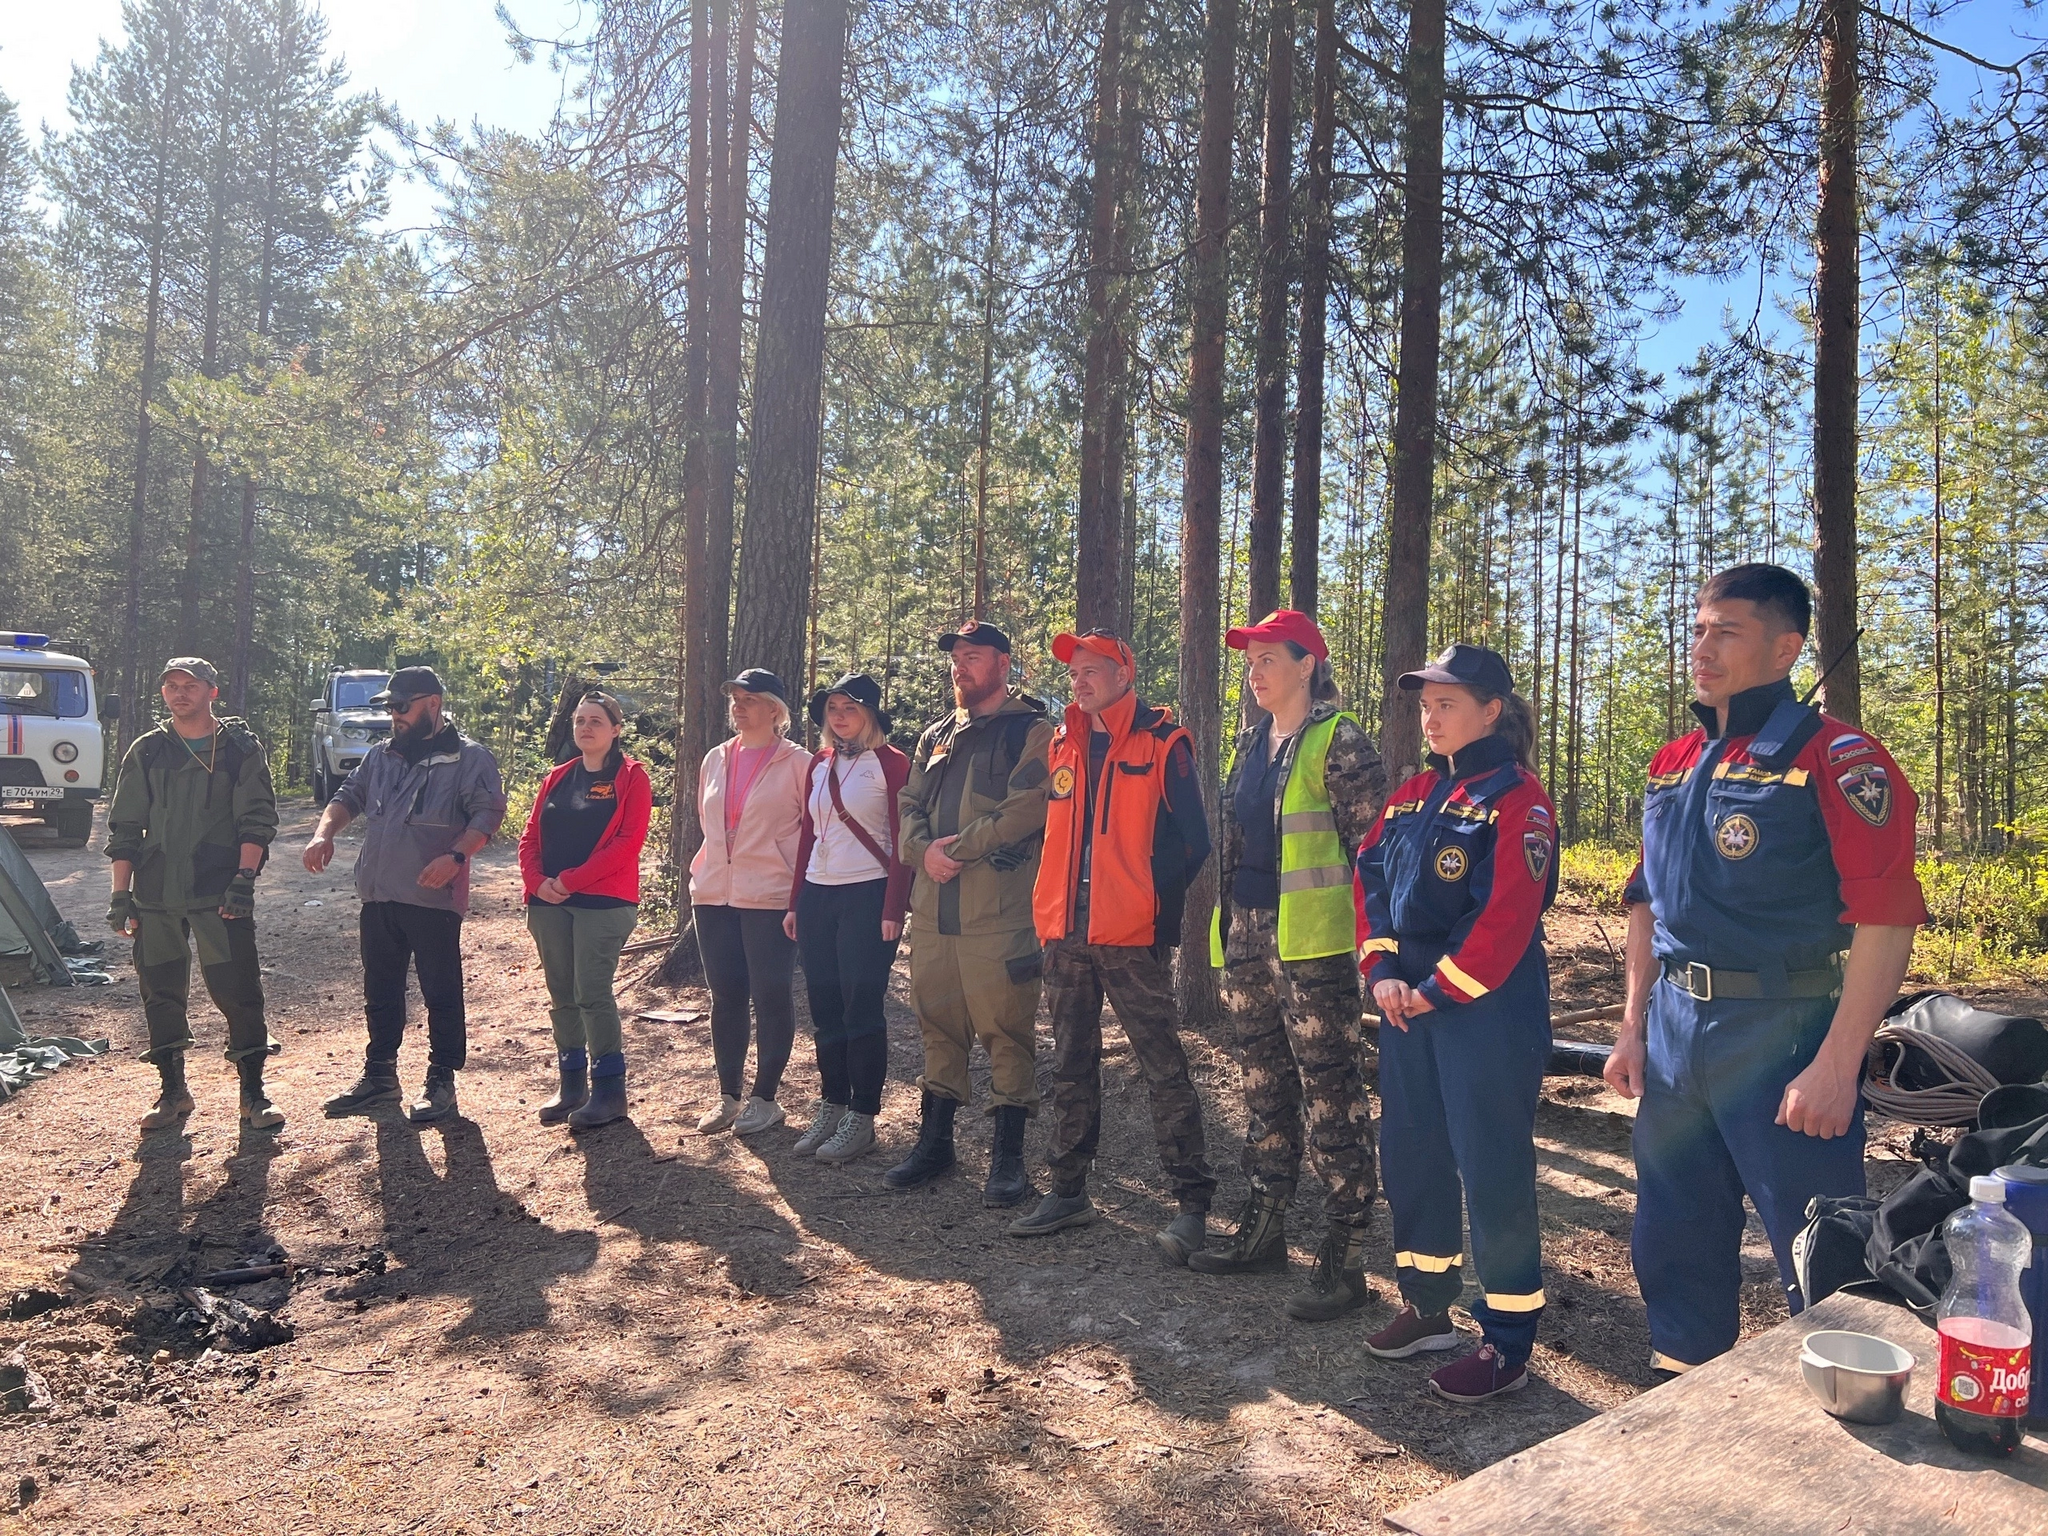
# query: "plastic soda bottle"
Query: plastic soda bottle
{"points": [[1980, 1397]]}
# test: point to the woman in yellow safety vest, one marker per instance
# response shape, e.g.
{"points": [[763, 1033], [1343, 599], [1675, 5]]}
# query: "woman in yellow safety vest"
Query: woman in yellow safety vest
{"points": [[1304, 791]]}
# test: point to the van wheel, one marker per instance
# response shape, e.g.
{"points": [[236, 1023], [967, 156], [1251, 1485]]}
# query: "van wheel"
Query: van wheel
{"points": [[322, 790], [73, 823]]}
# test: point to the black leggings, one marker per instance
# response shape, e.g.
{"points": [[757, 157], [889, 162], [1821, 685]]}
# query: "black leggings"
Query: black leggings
{"points": [[846, 968], [748, 958]]}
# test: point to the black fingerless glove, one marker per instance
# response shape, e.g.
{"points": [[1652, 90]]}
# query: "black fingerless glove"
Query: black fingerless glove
{"points": [[239, 899], [121, 911]]}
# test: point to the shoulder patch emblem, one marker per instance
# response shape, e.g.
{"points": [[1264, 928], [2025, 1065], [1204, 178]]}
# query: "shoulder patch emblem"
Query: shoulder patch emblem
{"points": [[1536, 854], [1848, 745], [1868, 789], [1062, 781], [1737, 837], [1451, 864]]}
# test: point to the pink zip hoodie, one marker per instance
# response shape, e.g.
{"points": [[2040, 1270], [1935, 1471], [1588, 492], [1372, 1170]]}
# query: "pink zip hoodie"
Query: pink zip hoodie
{"points": [[761, 864]]}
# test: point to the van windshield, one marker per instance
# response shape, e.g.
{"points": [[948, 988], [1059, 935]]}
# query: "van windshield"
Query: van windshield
{"points": [[356, 692], [57, 695]]}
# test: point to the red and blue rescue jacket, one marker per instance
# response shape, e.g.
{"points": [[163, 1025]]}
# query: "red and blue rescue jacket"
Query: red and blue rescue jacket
{"points": [[1453, 880]]}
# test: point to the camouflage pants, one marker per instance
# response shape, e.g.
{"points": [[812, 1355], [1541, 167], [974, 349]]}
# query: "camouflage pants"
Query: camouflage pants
{"points": [[1298, 1026], [1139, 983]]}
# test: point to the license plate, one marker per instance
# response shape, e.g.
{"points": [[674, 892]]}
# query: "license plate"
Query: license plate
{"points": [[33, 792]]}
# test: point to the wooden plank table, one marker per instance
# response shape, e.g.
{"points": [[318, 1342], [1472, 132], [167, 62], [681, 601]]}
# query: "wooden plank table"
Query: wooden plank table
{"points": [[1740, 1445]]}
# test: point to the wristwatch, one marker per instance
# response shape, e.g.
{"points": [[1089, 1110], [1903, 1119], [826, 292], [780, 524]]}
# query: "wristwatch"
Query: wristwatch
{"points": [[458, 855], [247, 873]]}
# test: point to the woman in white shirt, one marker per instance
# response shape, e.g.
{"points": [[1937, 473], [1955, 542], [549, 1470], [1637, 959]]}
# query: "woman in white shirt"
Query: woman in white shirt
{"points": [[846, 910]]}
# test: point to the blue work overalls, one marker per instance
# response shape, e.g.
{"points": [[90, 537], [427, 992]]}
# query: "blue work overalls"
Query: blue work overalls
{"points": [[1451, 886], [1739, 871]]}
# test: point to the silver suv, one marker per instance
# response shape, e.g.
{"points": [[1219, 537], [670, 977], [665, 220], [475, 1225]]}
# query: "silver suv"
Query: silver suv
{"points": [[346, 725]]}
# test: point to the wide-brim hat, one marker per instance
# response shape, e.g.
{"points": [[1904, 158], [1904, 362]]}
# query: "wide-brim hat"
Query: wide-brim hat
{"points": [[860, 688], [1465, 666]]}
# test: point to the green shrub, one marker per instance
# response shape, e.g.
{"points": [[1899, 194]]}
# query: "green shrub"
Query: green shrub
{"points": [[1596, 873], [1985, 912]]}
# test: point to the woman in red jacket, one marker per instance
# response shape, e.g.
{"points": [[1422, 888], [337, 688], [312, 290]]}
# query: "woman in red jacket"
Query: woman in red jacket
{"points": [[846, 910], [579, 859]]}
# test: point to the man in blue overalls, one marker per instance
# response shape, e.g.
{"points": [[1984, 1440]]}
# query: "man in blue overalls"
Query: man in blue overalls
{"points": [[1774, 838]]}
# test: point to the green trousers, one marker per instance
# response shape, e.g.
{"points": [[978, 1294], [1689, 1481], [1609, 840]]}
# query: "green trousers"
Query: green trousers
{"points": [[235, 984], [579, 955]]}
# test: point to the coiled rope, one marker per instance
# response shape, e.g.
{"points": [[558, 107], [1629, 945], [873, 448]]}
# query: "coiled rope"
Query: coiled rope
{"points": [[1953, 1103]]}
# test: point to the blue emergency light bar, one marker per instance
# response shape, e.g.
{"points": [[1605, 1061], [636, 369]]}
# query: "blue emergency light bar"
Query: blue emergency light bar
{"points": [[23, 641]]}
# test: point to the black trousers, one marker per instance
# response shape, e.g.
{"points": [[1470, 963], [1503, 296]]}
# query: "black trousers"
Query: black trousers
{"points": [[846, 970], [748, 961], [395, 935]]}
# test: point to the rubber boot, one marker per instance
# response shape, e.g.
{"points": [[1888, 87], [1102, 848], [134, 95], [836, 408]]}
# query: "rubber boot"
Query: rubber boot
{"points": [[258, 1113], [932, 1157], [174, 1103], [1007, 1184], [574, 1067], [1337, 1284], [1259, 1244], [607, 1101]]}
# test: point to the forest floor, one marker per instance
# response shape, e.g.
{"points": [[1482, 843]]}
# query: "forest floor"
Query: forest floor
{"points": [[643, 1329]]}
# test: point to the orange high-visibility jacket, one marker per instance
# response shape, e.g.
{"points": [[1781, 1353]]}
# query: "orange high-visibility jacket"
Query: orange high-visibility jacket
{"points": [[1130, 800]]}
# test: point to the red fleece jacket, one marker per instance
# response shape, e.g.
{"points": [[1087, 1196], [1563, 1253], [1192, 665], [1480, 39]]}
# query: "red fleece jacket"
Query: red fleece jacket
{"points": [[613, 868]]}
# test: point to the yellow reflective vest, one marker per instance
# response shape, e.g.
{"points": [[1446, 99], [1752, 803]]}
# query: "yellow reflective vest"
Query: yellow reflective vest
{"points": [[1317, 917]]}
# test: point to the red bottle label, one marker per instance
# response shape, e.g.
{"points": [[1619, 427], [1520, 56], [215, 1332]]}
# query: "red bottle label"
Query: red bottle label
{"points": [[1983, 1378]]}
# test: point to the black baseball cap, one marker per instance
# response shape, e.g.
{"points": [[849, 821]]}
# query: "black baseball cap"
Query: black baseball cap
{"points": [[759, 680], [407, 684], [975, 632], [1468, 666]]}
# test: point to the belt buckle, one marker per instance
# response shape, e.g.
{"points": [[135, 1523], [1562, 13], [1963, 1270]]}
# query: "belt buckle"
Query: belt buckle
{"points": [[1699, 982]]}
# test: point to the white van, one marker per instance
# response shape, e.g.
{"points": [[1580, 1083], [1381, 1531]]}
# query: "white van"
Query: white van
{"points": [[52, 748]]}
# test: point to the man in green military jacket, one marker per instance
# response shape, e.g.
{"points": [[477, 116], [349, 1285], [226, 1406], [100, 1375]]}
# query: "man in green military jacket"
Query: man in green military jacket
{"points": [[189, 829], [973, 816]]}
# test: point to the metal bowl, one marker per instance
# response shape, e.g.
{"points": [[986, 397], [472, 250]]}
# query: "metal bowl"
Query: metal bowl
{"points": [[1858, 1377]]}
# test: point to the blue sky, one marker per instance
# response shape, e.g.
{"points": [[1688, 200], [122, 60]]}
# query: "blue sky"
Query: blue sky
{"points": [[447, 59]]}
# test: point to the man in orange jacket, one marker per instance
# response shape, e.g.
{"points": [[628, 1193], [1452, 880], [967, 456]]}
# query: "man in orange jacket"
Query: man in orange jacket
{"points": [[1124, 834]]}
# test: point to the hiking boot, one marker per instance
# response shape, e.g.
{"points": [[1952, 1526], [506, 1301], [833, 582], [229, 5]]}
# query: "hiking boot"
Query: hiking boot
{"points": [[378, 1084], [258, 1113], [825, 1118], [174, 1101], [1007, 1183], [759, 1115], [1259, 1243], [1054, 1212], [1337, 1284], [1187, 1234], [932, 1157], [437, 1097], [1410, 1333], [1480, 1375], [712, 1121], [607, 1102], [574, 1067], [854, 1135]]}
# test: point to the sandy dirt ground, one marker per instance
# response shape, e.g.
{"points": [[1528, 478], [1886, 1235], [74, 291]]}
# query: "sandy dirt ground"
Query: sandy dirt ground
{"points": [[500, 1327]]}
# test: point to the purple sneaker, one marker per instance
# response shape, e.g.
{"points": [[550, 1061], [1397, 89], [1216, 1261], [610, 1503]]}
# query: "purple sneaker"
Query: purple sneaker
{"points": [[1479, 1376]]}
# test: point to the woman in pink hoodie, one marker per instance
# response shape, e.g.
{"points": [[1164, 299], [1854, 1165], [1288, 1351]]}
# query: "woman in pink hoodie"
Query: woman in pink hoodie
{"points": [[750, 804]]}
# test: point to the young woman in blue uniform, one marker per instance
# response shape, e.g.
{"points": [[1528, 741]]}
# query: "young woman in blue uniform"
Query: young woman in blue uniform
{"points": [[1452, 886]]}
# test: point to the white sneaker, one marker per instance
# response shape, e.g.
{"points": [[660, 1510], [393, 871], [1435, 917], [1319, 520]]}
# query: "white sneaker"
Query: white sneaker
{"points": [[824, 1121], [712, 1121], [856, 1134], [759, 1115]]}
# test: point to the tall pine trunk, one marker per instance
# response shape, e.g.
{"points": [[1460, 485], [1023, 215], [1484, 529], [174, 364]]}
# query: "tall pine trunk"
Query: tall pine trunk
{"points": [[1406, 610], [727, 335], [789, 350], [1201, 499], [696, 678], [1269, 364], [1305, 568], [1099, 511], [1837, 316], [219, 190]]}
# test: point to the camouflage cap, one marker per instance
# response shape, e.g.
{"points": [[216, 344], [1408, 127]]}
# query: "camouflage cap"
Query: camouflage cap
{"points": [[197, 666]]}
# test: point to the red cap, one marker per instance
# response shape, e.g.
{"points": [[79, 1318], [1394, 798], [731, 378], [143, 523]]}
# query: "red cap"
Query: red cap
{"points": [[1284, 624], [1100, 641]]}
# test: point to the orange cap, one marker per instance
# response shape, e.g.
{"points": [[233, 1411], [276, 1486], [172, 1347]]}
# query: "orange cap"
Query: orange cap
{"points": [[1100, 641]]}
